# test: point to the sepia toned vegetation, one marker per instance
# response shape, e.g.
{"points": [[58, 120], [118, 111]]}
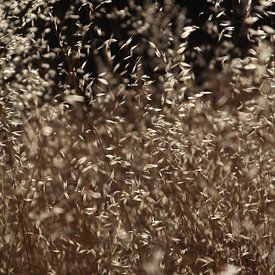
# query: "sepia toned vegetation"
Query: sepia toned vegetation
{"points": [[128, 146]]}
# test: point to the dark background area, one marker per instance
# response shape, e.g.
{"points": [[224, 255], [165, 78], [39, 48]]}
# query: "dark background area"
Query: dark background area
{"points": [[142, 21]]}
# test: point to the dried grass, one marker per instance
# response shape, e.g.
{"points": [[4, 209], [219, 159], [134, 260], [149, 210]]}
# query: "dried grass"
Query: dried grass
{"points": [[140, 174]]}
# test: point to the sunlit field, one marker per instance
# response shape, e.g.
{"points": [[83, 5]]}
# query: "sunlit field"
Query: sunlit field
{"points": [[137, 138]]}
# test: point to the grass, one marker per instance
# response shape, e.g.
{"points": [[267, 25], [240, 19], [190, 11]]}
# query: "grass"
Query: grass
{"points": [[141, 174]]}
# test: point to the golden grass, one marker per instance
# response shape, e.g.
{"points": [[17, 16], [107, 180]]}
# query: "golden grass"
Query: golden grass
{"points": [[136, 182]]}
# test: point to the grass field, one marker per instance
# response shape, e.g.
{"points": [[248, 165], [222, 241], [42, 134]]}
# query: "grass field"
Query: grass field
{"points": [[144, 177]]}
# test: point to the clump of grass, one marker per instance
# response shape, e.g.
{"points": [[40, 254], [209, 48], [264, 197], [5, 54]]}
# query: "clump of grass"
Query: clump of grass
{"points": [[106, 173]]}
